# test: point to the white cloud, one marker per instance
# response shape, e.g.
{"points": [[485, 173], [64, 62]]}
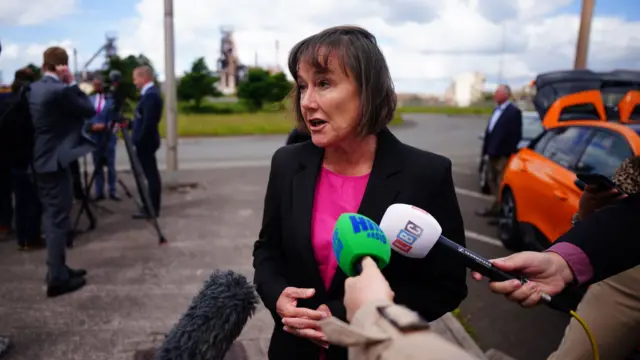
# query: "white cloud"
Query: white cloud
{"points": [[426, 42], [22, 13], [15, 56]]}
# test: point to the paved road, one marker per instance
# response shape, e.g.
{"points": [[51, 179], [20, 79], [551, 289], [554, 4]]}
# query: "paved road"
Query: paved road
{"points": [[524, 334], [123, 264], [451, 136]]}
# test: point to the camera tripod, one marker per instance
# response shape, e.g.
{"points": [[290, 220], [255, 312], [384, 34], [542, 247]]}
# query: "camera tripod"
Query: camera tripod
{"points": [[144, 204]]}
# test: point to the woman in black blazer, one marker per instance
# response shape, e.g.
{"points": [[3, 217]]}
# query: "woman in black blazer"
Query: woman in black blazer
{"points": [[344, 95]]}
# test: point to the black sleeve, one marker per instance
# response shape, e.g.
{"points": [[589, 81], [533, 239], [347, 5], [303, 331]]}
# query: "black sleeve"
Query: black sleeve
{"points": [[267, 250], [441, 284], [609, 238], [77, 102], [151, 114]]}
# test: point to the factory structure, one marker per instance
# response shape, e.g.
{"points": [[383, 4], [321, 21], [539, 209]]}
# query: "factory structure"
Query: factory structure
{"points": [[230, 69]]}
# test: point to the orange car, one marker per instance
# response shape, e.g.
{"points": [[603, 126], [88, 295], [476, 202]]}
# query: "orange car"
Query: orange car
{"points": [[592, 123]]}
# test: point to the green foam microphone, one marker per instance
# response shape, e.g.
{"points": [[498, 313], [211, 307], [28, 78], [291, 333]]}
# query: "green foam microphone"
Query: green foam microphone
{"points": [[356, 236]]}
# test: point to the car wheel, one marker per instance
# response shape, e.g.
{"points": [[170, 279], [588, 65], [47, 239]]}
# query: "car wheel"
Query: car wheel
{"points": [[483, 177], [508, 225]]}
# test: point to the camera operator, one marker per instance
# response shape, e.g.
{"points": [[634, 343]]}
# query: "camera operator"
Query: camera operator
{"points": [[17, 144], [58, 110], [145, 136], [100, 132]]}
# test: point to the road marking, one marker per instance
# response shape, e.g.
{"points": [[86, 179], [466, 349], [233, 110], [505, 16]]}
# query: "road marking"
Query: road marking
{"points": [[474, 194], [483, 238]]}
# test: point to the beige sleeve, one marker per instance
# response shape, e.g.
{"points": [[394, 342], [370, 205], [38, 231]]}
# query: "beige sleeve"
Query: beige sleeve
{"points": [[399, 334]]}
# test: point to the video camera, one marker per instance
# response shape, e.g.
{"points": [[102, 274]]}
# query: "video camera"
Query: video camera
{"points": [[116, 93]]}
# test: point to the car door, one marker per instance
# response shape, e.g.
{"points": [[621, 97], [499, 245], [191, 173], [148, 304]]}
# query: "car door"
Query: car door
{"points": [[553, 196]]}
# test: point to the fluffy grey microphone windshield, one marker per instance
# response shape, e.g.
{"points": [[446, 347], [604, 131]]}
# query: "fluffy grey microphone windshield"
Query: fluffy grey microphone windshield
{"points": [[213, 321]]}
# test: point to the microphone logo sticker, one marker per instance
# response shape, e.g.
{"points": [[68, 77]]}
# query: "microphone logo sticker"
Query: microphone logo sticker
{"points": [[337, 245], [360, 223], [408, 236]]}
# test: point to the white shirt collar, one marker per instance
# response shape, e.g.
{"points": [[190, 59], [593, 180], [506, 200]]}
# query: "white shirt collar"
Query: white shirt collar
{"points": [[52, 75], [504, 105], [146, 87]]}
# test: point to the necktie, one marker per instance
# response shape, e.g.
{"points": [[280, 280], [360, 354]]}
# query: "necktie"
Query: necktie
{"points": [[99, 107]]}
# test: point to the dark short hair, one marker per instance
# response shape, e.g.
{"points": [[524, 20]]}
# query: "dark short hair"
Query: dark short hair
{"points": [[21, 78], [359, 58], [54, 56]]}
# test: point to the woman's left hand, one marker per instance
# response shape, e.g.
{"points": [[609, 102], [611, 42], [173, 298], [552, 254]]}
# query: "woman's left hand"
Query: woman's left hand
{"points": [[308, 328]]}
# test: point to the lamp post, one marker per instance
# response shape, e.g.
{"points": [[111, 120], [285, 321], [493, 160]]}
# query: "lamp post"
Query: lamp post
{"points": [[170, 98]]}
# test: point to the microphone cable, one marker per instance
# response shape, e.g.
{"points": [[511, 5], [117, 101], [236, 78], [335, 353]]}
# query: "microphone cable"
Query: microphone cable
{"points": [[587, 330], [553, 303]]}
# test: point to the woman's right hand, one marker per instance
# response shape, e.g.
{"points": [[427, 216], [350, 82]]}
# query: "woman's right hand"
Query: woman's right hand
{"points": [[547, 273]]}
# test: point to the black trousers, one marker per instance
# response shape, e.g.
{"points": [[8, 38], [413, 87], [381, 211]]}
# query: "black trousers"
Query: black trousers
{"points": [[28, 210], [149, 164]]}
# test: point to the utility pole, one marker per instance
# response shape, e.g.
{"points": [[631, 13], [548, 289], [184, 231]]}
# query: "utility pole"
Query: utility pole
{"points": [[582, 47], [502, 53], [170, 98], [76, 72]]}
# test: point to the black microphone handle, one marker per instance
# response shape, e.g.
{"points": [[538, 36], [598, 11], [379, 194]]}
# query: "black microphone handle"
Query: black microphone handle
{"points": [[476, 262], [483, 266]]}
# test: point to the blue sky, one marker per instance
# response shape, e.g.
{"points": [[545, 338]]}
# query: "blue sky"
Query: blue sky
{"points": [[87, 24]]}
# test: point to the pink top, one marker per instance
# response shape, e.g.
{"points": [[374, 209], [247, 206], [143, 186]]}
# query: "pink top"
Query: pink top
{"points": [[335, 195]]}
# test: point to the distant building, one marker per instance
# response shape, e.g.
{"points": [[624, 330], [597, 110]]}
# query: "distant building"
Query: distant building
{"points": [[465, 89], [230, 70]]}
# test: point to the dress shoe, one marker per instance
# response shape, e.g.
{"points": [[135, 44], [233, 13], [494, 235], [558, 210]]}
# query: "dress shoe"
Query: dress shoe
{"points": [[141, 216], [487, 213], [57, 288], [114, 197], [76, 272]]}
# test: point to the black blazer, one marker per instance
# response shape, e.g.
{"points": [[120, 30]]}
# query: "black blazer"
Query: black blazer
{"points": [[297, 136], [506, 134], [283, 254], [145, 135], [609, 238]]}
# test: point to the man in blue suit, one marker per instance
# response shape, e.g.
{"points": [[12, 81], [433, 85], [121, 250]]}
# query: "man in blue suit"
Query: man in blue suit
{"points": [[501, 139], [145, 136], [100, 125]]}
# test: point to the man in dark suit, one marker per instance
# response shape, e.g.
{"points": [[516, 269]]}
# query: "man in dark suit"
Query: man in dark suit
{"points": [[146, 137], [501, 139], [58, 111]]}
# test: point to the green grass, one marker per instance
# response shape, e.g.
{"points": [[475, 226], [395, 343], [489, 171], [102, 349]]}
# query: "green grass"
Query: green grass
{"points": [[235, 118], [245, 123], [464, 321], [447, 110]]}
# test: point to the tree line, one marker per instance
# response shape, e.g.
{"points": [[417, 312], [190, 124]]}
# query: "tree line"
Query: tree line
{"points": [[199, 83]]}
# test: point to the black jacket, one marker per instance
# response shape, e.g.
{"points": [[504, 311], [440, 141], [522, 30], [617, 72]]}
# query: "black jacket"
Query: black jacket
{"points": [[16, 132], [503, 139], [283, 254], [296, 136], [610, 238]]}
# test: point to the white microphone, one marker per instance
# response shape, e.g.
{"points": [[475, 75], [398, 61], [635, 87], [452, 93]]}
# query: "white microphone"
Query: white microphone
{"points": [[413, 232]]}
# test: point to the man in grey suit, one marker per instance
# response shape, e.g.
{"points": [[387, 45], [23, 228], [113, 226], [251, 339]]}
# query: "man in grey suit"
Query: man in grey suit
{"points": [[58, 111]]}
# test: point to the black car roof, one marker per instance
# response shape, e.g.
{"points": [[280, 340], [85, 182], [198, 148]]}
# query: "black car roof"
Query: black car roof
{"points": [[553, 85]]}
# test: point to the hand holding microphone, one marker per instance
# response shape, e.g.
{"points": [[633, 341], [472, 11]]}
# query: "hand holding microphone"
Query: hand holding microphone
{"points": [[416, 232], [547, 273], [369, 286]]}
